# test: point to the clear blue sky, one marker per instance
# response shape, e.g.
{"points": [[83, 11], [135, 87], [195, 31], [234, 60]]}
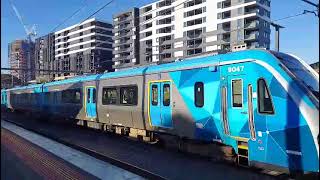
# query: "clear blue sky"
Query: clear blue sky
{"points": [[299, 37]]}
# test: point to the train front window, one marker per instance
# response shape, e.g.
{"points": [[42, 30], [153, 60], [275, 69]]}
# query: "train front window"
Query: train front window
{"points": [[300, 72]]}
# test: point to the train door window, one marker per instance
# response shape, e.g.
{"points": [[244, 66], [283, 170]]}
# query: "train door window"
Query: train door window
{"points": [[154, 95], [128, 95], [224, 110], [109, 96], [88, 95], [265, 105], [237, 93], [166, 94], [94, 95], [199, 94], [250, 112]]}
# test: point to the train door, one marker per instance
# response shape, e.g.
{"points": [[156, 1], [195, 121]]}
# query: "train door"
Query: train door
{"points": [[160, 112], [237, 110], [90, 102], [237, 104]]}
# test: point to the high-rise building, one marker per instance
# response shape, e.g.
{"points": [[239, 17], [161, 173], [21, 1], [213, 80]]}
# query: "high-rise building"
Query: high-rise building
{"points": [[172, 29], [44, 57], [84, 47], [20, 55], [126, 38]]}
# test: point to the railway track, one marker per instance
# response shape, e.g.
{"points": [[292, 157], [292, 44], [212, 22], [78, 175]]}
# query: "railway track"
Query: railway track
{"points": [[93, 153], [125, 165]]}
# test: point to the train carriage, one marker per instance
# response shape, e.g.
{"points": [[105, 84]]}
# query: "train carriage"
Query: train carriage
{"points": [[263, 104]]}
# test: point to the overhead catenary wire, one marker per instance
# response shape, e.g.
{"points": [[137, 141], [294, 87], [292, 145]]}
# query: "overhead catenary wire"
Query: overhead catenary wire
{"points": [[94, 13], [71, 16], [296, 15]]}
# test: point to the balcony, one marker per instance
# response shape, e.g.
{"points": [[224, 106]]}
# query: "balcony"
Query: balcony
{"points": [[224, 4], [122, 50], [123, 34], [123, 57], [252, 36], [122, 20], [195, 35], [252, 24], [124, 26], [247, 1], [225, 40], [251, 9], [224, 27]]}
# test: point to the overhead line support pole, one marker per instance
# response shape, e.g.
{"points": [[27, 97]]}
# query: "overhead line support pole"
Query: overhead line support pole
{"points": [[277, 35]]}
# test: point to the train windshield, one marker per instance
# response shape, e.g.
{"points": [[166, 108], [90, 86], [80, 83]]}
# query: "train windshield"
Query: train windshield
{"points": [[301, 71]]}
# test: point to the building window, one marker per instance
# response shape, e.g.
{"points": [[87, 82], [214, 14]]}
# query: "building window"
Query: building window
{"points": [[128, 95], [166, 94], [194, 51], [148, 17], [109, 96], [164, 3], [193, 12], [165, 12], [164, 30], [237, 93], [194, 33], [194, 22], [265, 105], [148, 33], [154, 101], [194, 43], [199, 94], [147, 9], [193, 3], [149, 25], [165, 21]]}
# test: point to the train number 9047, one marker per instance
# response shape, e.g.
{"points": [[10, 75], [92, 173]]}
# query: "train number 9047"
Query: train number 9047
{"points": [[235, 69]]}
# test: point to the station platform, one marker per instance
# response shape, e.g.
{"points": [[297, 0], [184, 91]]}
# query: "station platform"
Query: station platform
{"points": [[26, 155]]}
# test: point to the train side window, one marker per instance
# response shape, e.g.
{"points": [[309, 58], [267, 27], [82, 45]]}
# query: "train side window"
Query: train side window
{"points": [[78, 96], [237, 93], [265, 105], [128, 95], [166, 94], [199, 94], [109, 96], [71, 96], [154, 95]]}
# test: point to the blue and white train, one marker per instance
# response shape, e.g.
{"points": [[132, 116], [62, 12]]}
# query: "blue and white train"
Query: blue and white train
{"points": [[263, 104]]}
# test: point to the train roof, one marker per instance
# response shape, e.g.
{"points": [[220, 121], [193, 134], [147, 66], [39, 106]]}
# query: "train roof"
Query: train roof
{"points": [[32, 86], [185, 64]]}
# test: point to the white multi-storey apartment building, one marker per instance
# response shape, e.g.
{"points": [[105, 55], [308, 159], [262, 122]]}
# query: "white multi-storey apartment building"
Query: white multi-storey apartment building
{"points": [[85, 47], [172, 29]]}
